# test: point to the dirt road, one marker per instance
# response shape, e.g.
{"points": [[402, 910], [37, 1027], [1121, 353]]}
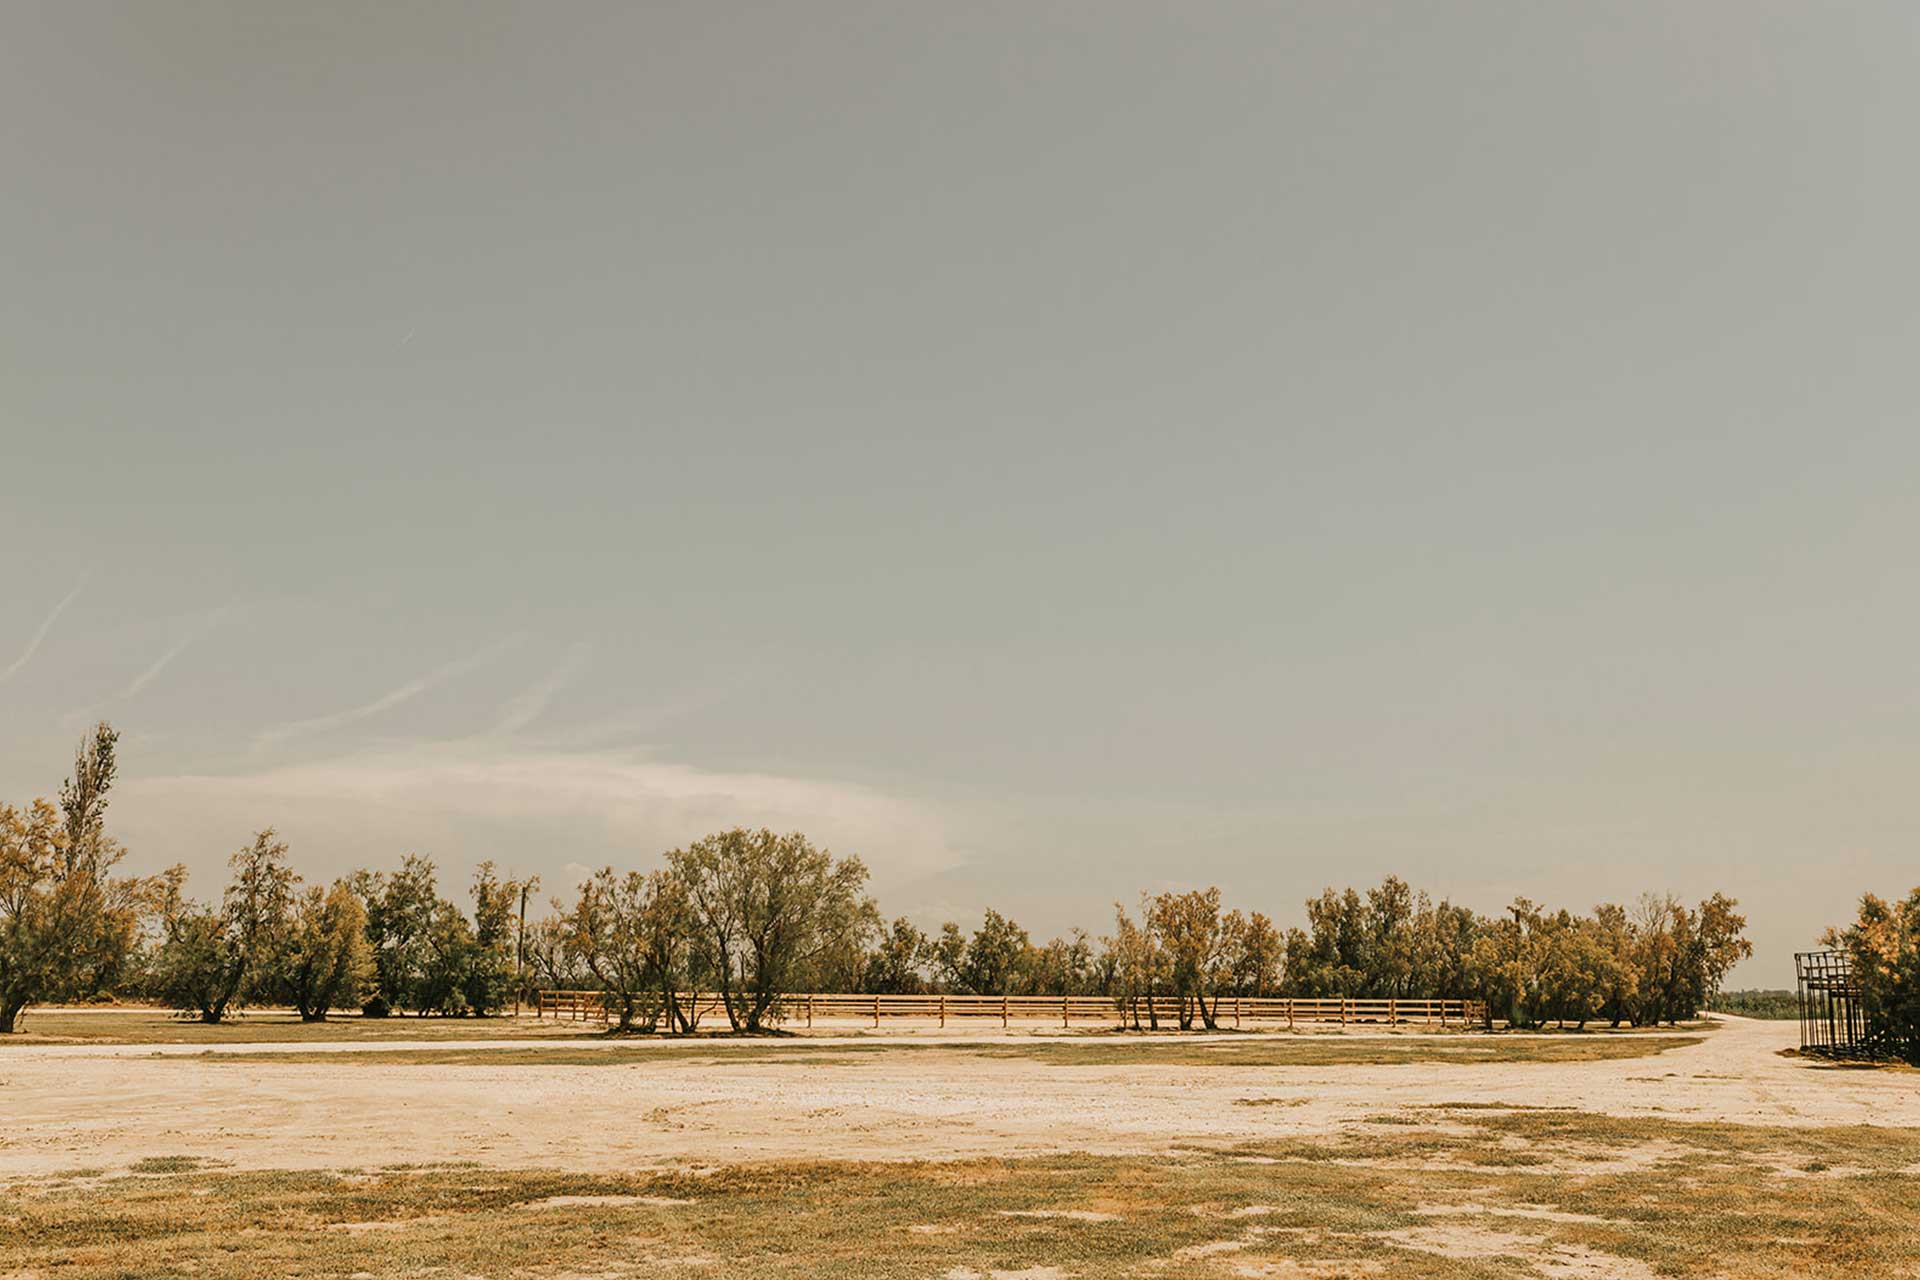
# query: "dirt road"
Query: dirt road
{"points": [[107, 1106]]}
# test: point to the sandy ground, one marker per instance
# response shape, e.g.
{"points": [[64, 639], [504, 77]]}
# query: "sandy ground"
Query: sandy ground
{"points": [[71, 1106]]}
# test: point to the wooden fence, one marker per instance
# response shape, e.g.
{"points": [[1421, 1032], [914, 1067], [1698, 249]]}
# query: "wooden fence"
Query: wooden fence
{"points": [[1233, 1011]]}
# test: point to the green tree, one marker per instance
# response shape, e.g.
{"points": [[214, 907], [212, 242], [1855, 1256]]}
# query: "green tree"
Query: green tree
{"points": [[1390, 950], [1255, 952], [765, 908], [43, 904], [1065, 966], [1134, 957], [1720, 943], [1332, 958], [488, 984], [212, 960], [550, 963], [611, 932], [894, 967], [1620, 979], [1191, 934], [326, 962], [402, 908], [448, 957], [68, 925], [947, 955], [993, 962], [1508, 962], [1883, 944]]}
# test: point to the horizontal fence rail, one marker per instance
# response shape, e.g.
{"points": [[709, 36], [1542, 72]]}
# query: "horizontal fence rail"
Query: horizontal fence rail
{"points": [[1235, 1011]]}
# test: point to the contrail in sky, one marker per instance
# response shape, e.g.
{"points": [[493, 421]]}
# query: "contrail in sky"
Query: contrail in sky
{"points": [[145, 678], [527, 706], [386, 701], [33, 645]]}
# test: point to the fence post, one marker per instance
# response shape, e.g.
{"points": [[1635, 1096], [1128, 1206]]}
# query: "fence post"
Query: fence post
{"points": [[943, 1009], [1064, 1021], [1393, 1010], [1236, 1013], [876, 1013], [1343, 1011], [1289, 1013], [1003, 1010]]}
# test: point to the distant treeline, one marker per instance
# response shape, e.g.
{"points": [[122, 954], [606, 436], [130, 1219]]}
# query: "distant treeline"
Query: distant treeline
{"points": [[1777, 1005], [754, 916]]}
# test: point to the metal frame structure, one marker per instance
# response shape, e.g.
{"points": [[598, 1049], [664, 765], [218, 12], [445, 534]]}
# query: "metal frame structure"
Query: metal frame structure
{"points": [[1833, 1022]]}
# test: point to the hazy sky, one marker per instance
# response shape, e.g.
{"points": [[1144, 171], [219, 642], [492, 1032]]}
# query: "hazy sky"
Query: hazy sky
{"points": [[1049, 449]]}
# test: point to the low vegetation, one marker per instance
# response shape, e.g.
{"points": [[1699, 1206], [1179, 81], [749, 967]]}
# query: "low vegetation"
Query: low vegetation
{"points": [[1255, 1051], [1463, 1194], [1779, 1006]]}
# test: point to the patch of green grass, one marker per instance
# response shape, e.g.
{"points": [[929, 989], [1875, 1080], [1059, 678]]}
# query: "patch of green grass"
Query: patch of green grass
{"points": [[1253, 1051], [1332, 1050], [166, 1164]]}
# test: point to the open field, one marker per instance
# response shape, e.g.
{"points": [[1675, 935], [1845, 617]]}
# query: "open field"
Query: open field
{"points": [[1473, 1194], [1694, 1155]]}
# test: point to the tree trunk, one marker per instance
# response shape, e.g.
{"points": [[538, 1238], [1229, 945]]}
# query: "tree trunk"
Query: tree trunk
{"points": [[756, 1014], [10, 1015], [727, 999]]}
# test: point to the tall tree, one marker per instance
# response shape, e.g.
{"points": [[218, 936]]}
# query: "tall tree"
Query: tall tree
{"points": [[402, 910], [67, 923], [630, 933], [765, 907], [326, 963], [36, 907], [1189, 928], [212, 959], [1133, 955], [894, 967], [488, 986], [1255, 952], [995, 957]]}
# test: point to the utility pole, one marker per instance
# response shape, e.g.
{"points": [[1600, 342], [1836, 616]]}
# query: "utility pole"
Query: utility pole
{"points": [[527, 886]]}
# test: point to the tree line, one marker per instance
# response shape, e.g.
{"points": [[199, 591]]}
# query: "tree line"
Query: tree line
{"points": [[751, 916]]}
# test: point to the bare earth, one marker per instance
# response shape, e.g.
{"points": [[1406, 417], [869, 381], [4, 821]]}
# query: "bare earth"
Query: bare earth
{"points": [[92, 1105]]}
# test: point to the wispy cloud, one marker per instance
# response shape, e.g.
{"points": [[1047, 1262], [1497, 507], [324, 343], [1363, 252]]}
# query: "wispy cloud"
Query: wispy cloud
{"points": [[386, 701], [530, 704], [46, 625], [546, 811], [206, 624]]}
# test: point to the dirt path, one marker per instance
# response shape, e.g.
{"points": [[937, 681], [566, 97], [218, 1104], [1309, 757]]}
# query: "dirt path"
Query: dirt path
{"points": [[107, 1106]]}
